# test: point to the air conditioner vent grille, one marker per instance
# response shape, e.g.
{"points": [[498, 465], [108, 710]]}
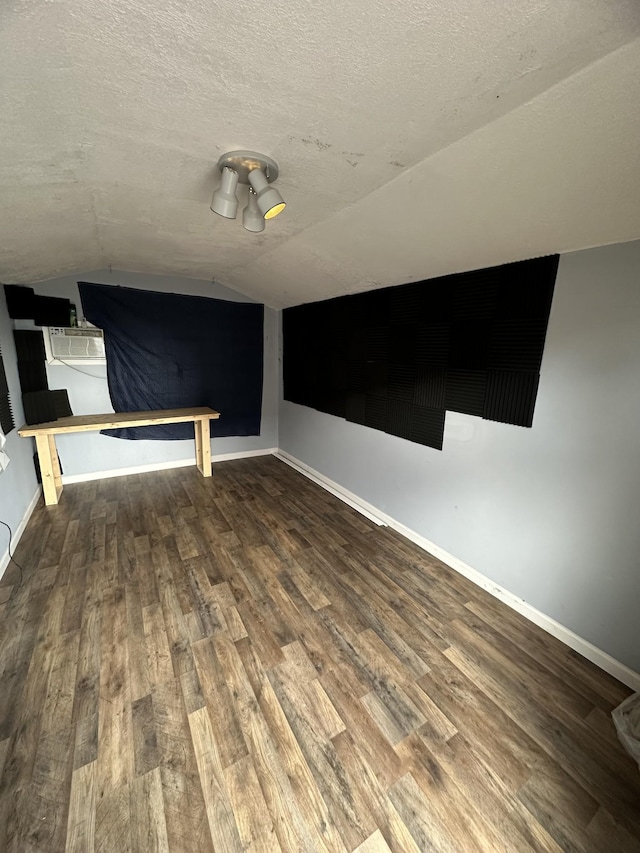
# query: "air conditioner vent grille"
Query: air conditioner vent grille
{"points": [[76, 344]]}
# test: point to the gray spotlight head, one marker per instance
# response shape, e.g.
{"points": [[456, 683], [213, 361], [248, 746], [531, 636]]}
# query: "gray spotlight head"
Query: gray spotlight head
{"points": [[224, 201], [252, 219], [269, 199]]}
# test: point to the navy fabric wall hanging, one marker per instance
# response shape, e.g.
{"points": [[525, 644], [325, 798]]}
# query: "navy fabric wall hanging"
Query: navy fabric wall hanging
{"points": [[167, 351]]}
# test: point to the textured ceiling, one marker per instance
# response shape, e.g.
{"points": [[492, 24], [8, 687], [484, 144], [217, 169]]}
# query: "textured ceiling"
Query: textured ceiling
{"points": [[414, 138]]}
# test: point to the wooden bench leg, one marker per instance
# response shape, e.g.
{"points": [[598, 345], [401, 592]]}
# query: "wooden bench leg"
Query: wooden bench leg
{"points": [[203, 446], [51, 480], [57, 476], [198, 434]]}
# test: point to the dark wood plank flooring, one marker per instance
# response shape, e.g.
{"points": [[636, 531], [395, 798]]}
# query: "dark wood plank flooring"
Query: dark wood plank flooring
{"points": [[245, 663]]}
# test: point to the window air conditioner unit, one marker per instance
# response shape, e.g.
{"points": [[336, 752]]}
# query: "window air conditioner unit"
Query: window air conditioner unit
{"points": [[74, 345]]}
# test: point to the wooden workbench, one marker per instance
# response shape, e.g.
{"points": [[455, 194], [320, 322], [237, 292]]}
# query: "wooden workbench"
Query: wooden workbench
{"points": [[45, 434]]}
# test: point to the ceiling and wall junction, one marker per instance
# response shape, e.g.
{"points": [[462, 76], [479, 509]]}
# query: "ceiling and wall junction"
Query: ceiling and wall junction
{"points": [[415, 138]]}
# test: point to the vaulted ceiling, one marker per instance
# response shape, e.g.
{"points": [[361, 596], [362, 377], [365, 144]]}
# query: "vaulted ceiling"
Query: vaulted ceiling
{"points": [[415, 138]]}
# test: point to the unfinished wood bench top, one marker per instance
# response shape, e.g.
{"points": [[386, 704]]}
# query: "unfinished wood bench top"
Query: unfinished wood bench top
{"points": [[45, 434]]}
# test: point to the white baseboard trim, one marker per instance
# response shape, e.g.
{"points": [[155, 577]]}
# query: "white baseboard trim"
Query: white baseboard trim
{"points": [[369, 511], [244, 454], [600, 658], [17, 533], [161, 466]]}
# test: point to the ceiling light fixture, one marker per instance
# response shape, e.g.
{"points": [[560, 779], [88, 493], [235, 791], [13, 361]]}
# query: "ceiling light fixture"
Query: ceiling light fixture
{"points": [[257, 171], [252, 218]]}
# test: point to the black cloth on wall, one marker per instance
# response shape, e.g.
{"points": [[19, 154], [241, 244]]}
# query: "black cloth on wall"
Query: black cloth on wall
{"points": [[168, 351]]}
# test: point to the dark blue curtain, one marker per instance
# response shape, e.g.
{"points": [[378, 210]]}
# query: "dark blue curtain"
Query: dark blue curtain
{"points": [[166, 351]]}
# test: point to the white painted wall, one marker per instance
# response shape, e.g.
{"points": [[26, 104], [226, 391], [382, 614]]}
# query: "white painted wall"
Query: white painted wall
{"points": [[18, 485], [550, 513], [85, 453]]}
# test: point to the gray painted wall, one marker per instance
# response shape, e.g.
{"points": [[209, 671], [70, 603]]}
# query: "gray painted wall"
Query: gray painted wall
{"points": [[88, 394], [550, 513], [18, 484]]}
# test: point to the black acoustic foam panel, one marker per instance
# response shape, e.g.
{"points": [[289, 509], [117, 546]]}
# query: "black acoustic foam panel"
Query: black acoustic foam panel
{"points": [[465, 391], [430, 387], [6, 413], [427, 426], [23, 304], [510, 397], [31, 360], [29, 345], [20, 301], [40, 407], [397, 359], [51, 311]]}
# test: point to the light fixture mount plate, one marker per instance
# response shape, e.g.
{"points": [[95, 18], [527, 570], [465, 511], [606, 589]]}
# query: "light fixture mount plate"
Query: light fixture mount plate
{"points": [[244, 162]]}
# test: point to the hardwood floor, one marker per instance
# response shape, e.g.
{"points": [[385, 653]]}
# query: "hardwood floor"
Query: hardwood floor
{"points": [[245, 663]]}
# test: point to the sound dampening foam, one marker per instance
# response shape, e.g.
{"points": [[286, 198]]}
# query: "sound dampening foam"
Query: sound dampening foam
{"points": [[397, 359], [31, 357], [51, 311], [510, 396], [43, 406], [427, 426], [20, 301]]}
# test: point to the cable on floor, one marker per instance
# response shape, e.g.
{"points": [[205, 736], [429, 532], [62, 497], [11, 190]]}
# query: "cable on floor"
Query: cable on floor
{"points": [[11, 559]]}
